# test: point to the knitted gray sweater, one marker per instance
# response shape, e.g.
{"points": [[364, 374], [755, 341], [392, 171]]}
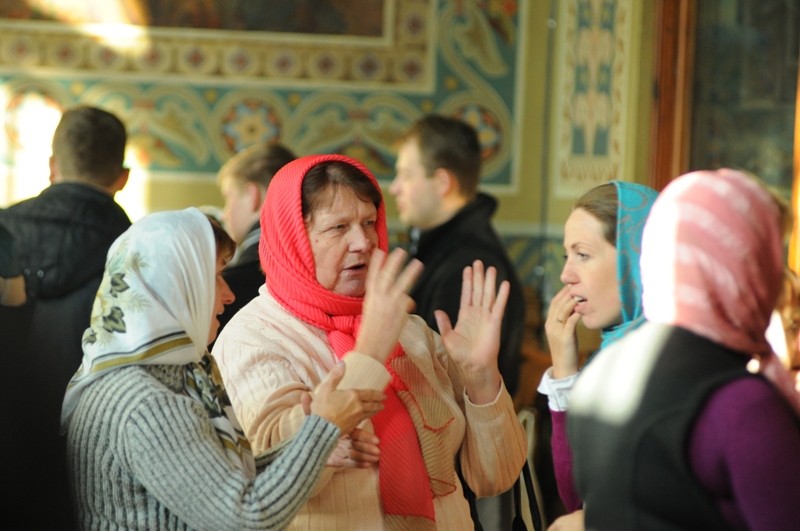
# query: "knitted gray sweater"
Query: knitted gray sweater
{"points": [[145, 456]]}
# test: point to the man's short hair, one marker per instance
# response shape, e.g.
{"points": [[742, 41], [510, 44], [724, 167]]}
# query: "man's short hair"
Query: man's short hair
{"points": [[89, 145], [256, 164], [449, 143]]}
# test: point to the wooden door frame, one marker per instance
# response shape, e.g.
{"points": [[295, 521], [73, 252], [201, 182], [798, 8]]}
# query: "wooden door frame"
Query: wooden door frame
{"points": [[670, 134], [794, 245]]}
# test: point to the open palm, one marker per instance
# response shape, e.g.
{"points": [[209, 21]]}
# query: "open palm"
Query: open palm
{"points": [[474, 343]]}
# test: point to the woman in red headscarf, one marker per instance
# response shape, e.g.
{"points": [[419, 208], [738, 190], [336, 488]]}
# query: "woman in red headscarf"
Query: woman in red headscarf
{"points": [[332, 295]]}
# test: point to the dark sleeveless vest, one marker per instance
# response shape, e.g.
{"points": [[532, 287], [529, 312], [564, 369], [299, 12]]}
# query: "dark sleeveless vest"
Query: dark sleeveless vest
{"points": [[636, 476]]}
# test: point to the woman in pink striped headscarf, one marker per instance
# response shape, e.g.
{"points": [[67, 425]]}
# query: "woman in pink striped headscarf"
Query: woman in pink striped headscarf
{"points": [[672, 430]]}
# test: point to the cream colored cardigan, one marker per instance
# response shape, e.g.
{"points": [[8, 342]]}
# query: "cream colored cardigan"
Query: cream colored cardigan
{"points": [[268, 357]]}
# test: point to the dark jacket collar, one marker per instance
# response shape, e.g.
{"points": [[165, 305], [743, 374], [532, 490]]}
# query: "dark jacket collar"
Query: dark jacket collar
{"points": [[474, 214]]}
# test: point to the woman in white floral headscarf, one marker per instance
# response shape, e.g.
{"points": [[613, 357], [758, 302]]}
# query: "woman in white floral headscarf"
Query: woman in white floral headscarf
{"points": [[152, 442]]}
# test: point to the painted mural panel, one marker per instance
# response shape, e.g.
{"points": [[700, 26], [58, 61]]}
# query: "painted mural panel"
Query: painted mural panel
{"points": [[744, 97], [590, 110], [192, 93], [192, 97]]}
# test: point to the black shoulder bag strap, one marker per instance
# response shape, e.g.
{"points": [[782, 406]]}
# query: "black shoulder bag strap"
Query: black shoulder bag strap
{"points": [[518, 523], [470, 496]]}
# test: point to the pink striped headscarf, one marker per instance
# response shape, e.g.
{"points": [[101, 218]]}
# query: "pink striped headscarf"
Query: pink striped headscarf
{"points": [[712, 262]]}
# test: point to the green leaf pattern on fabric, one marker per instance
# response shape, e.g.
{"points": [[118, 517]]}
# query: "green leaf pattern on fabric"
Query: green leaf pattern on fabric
{"points": [[115, 297]]}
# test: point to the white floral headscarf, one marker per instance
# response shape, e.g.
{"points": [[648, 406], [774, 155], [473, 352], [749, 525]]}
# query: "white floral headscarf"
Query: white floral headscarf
{"points": [[154, 307]]}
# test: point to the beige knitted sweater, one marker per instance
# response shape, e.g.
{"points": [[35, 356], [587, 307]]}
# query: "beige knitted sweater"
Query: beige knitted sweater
{"points": [[268, 358]]}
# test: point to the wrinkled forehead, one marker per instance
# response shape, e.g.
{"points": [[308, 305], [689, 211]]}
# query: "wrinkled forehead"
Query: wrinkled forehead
{"points": [[333, 195]]}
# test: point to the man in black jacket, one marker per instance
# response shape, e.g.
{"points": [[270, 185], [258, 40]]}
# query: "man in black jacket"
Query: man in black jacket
{"points": [[436, 190], [62, 237], [243, 181]]}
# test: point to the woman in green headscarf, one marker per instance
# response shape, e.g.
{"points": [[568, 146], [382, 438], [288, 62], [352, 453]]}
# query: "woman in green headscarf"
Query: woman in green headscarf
{"points": [[602, 289]]}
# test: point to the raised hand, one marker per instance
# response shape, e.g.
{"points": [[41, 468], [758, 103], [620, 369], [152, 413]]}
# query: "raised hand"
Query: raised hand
{"points": [[386, 302], [474, 343], [561, 331], [345, 408]]}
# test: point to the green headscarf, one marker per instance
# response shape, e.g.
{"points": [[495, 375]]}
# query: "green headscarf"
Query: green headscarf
{"points": [[634, 203]]}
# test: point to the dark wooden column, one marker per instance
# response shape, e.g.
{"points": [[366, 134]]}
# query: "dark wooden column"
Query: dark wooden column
{"points": [[794, 245], [672, 85]]}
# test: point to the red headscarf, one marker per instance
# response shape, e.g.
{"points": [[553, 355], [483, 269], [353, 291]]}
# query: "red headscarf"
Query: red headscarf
{"points": [[288, 262]]}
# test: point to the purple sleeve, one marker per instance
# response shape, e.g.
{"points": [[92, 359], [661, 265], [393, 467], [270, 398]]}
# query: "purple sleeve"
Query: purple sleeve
{"points": [[745, 451], [562, 462]]}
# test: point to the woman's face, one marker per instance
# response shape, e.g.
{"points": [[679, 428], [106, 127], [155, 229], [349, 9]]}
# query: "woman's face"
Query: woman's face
{"points": [[590, 271], [342, 234], [222, 296]]}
